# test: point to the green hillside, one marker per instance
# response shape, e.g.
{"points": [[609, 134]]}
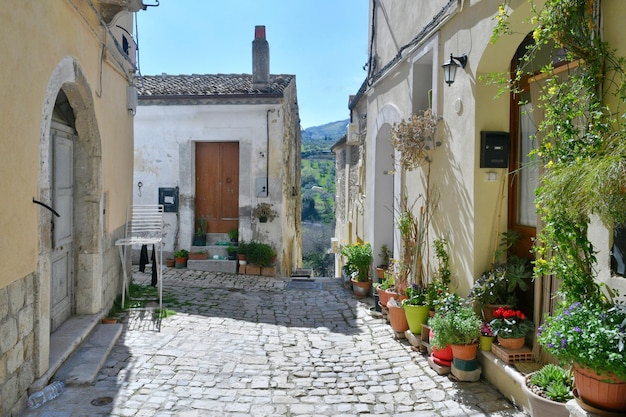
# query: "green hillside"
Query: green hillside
{"points": [[318, 204]]}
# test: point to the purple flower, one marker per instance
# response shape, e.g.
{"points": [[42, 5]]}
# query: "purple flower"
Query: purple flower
{"points": [[550, 345], [562, 343], [578, 329]]}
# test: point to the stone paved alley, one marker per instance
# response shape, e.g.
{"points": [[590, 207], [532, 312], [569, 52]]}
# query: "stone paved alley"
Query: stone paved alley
{"points": [[255, 346]]}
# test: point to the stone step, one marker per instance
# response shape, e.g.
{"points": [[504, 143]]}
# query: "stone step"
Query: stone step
{"points": [[83, 365], [213, 265], [219, 250]]}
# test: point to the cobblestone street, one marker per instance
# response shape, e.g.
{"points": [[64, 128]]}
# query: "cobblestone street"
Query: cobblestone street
{"points": [[257, 346]]}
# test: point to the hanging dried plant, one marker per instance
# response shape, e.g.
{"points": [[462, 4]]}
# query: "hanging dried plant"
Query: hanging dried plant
{"points": [[413, 138]]}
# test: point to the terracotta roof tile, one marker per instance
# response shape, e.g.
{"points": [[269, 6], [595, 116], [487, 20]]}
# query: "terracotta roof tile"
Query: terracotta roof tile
{"points": [[207, 84]]}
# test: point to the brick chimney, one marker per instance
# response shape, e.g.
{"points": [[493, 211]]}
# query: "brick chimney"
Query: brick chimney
{"points": [[260, 60]]}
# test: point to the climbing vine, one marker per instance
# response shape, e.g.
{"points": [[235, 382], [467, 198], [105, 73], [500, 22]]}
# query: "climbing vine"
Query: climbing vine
{"points": [[581, 145]]}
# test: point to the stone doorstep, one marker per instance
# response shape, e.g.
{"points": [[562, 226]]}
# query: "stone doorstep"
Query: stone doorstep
{"points": [[213, 265], [84, 364], [63, 342]]}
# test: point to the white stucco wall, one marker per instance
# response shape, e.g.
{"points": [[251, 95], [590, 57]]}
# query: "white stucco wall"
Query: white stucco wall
{"points": [[165, 157]]}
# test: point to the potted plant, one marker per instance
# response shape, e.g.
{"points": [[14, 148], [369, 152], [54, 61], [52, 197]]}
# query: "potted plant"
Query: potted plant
{"points": [[592, 338], [199, 238], [385, 256], [180, 258], [259, 254], [358, 258], [510, 327], [242, 248], [436, 292], [232, 252], [198, 255], [264, 212], [548, 390], [459, 327], [385, 289], [415, 308], [233, 235], [498, 286], [486, 336]]}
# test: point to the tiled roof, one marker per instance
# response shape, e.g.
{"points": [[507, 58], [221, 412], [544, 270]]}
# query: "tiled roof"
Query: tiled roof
{"points": [[207, 85]]}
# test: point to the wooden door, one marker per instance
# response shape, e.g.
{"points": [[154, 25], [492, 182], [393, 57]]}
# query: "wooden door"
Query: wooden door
{"points": [[61, 283], [523, 175], [217, 185]]}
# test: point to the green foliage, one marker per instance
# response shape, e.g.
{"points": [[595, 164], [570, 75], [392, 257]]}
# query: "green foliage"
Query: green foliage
{"points": [[459, 326], [242, 248], [415, 296], [554, 381], [436, 292], [201, 226], [591, 335], [358, 259], [441, 252], [233, 234], [260, 254], [315, 248], [507, 275], [384, 284], [181, 253], [581, 144], [385, 256]]}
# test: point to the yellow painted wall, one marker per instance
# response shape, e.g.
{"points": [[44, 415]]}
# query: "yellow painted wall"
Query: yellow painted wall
{"points": [[34, 38]]}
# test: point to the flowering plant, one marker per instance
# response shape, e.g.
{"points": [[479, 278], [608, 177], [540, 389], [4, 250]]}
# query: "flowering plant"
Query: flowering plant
{"points": [[591, 335], [485, 329], [359, 257], [508, 323], [416, 296], [436, 292]]}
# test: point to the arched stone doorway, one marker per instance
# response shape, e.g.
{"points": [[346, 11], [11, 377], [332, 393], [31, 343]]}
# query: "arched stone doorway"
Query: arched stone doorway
{"points": [[69, 108], [385, 185]]}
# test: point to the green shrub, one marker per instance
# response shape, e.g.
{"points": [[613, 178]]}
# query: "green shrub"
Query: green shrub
{"points": [[260, 254]]}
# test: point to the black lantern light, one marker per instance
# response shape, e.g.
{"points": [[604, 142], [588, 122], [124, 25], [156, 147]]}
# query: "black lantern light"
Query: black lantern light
{"points": [[449, 68]]}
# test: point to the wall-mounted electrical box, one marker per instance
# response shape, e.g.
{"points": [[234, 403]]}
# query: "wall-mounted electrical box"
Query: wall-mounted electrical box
{"points": [[494, 149], [260, 186], [169, 198]]}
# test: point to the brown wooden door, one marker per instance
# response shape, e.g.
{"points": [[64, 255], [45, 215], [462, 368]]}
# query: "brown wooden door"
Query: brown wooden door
{"points": [[217, 184], [523, 175]]}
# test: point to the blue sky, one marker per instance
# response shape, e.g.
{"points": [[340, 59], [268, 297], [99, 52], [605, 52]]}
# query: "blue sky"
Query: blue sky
{"points": [[322, 42]]}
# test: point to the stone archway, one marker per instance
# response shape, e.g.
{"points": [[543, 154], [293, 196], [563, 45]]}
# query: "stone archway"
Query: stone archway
{"points": [[383, 184], [68, 77]]}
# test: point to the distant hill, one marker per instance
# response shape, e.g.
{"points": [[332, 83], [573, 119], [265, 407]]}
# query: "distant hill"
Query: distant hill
{"points": [[330, 131]]}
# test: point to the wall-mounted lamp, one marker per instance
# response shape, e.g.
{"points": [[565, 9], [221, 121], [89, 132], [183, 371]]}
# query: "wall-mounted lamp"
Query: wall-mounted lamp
{"points": [[449, 68]]}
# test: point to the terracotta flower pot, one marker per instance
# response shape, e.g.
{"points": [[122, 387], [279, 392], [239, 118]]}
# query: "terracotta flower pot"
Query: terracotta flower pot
{"points": [[386, 295], [511, 342], [606, 391], [464, 352], [540, 406], [361, 289], [397, 319]]}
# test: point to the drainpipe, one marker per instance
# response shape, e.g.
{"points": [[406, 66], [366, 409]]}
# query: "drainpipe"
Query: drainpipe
{"points": [[267, 151]]}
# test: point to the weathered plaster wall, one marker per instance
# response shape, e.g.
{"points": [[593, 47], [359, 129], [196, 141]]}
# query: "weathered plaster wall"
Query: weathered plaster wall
{"points": [[165, 138], [47, 47]]}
